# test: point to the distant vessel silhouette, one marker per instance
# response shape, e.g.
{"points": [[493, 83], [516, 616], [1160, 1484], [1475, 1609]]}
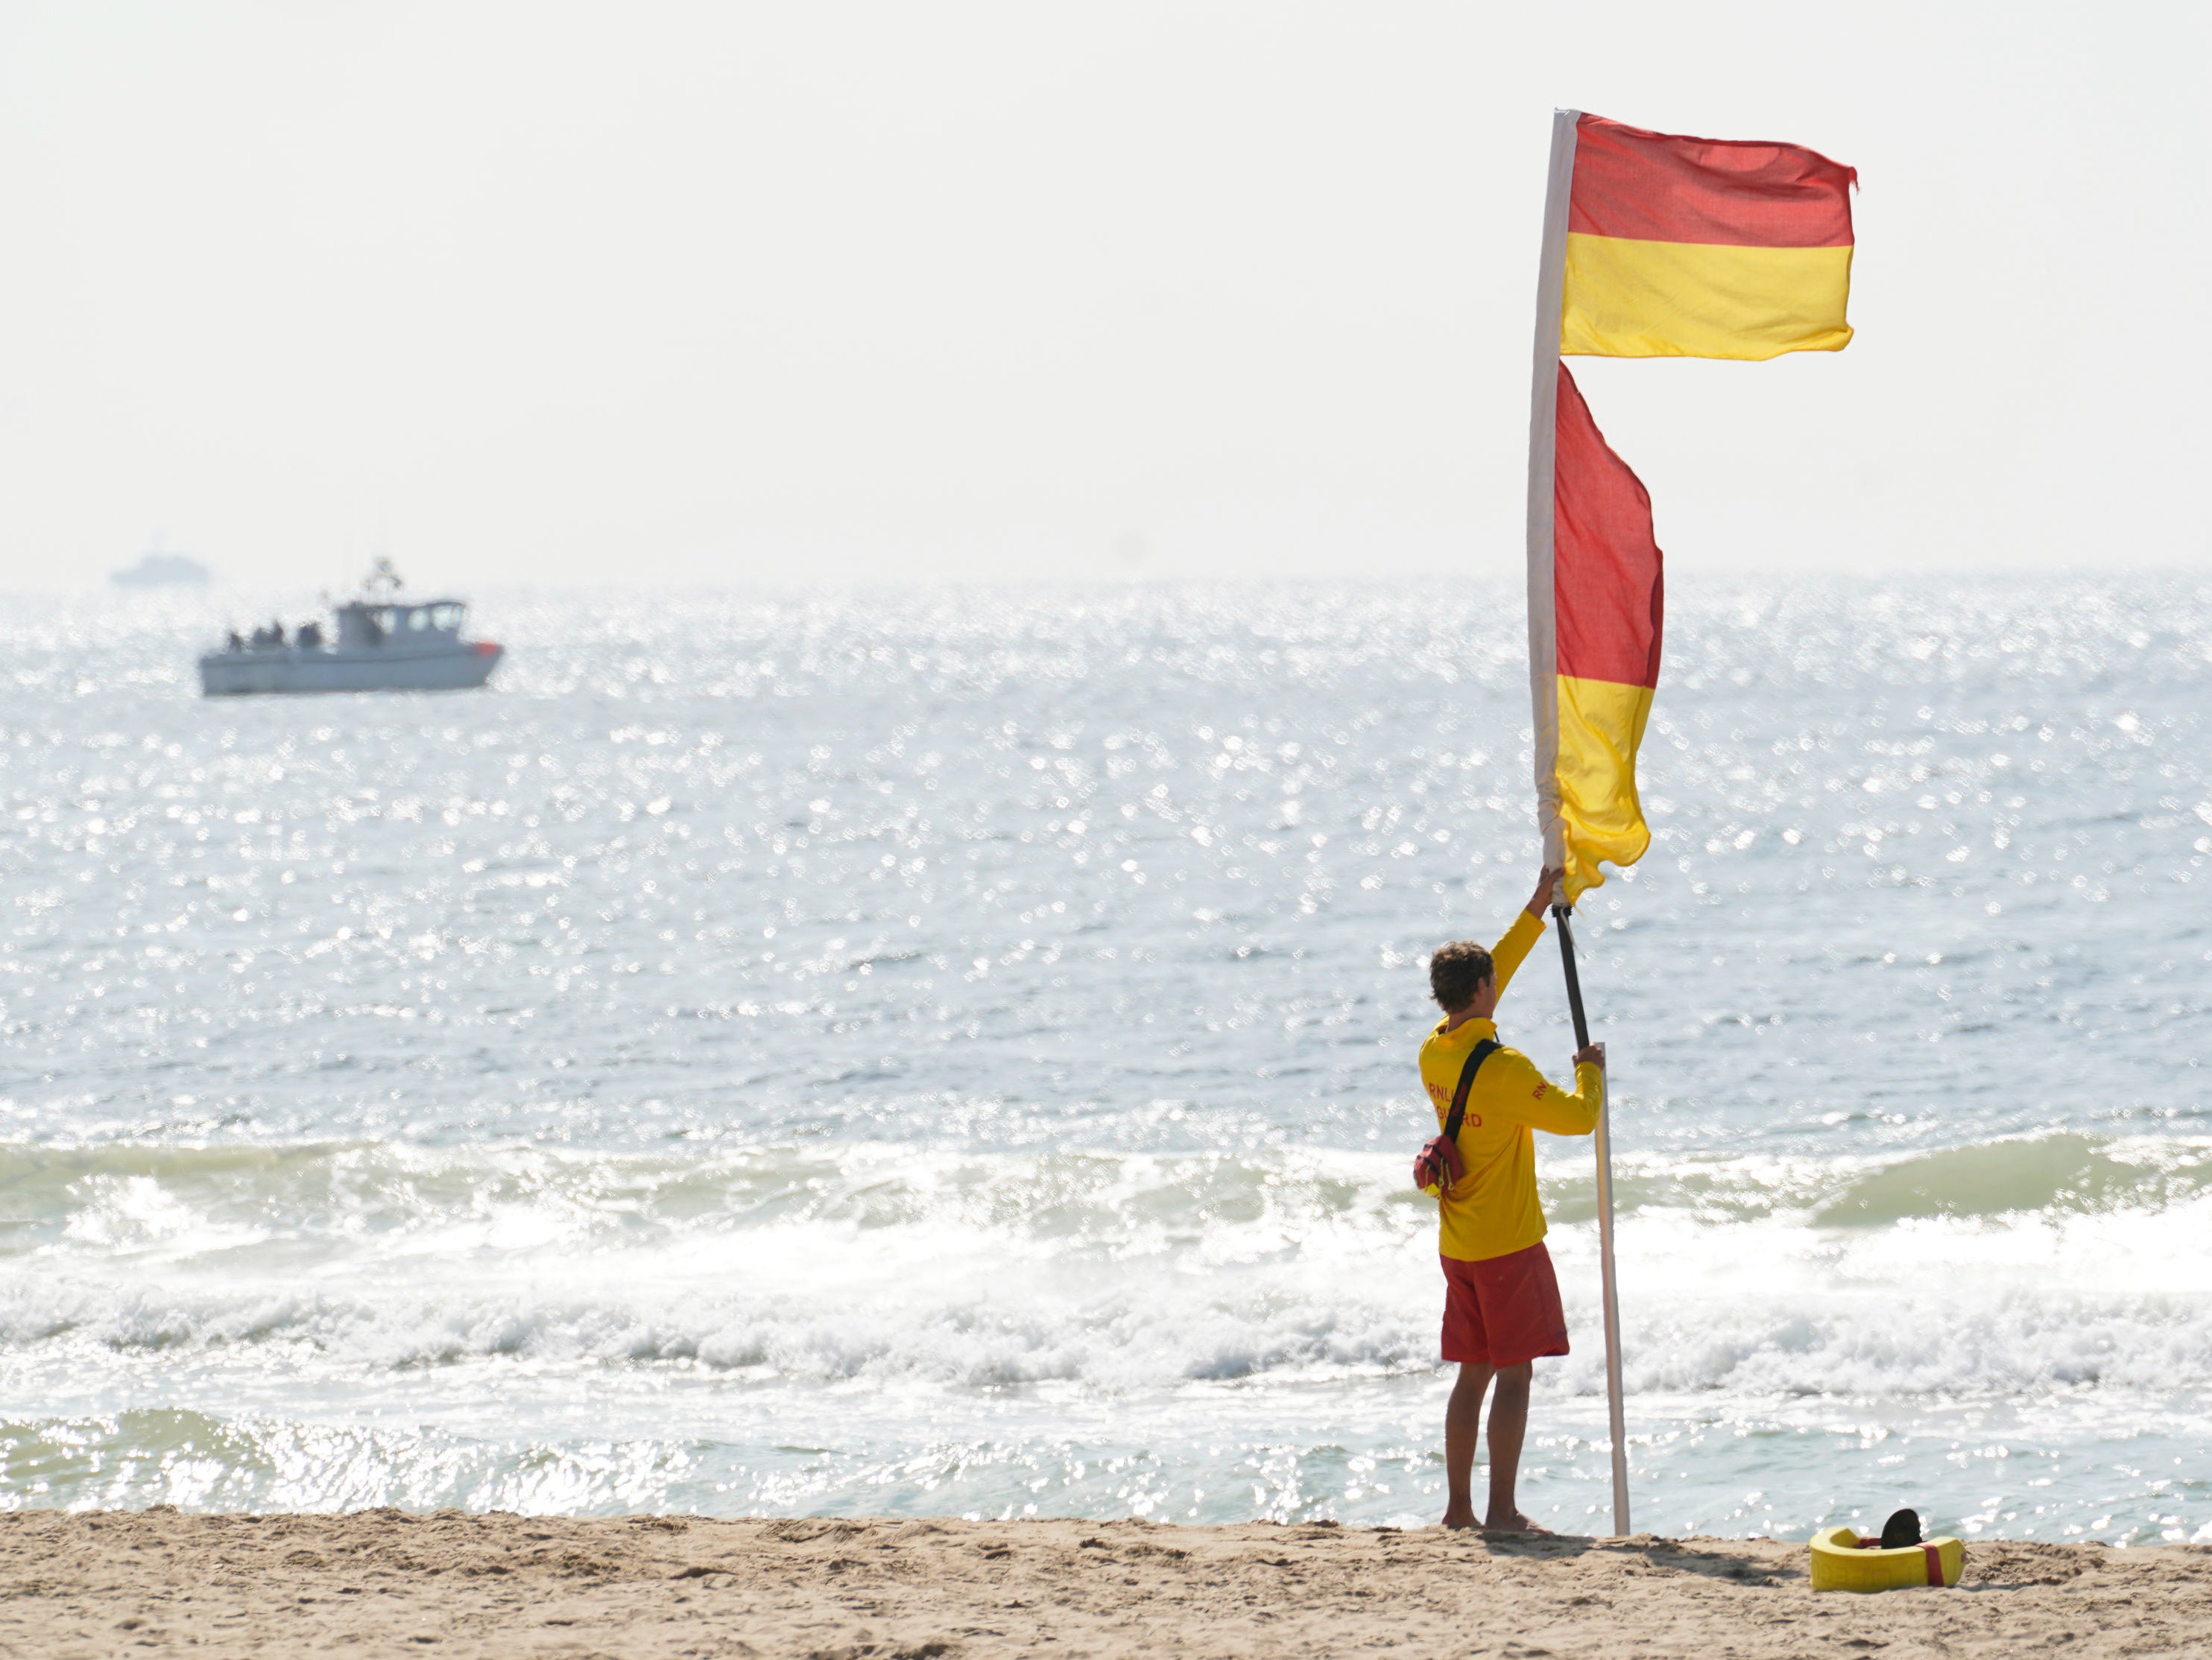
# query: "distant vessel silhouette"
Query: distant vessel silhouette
{"points": [[162, 571], [384, 644]]}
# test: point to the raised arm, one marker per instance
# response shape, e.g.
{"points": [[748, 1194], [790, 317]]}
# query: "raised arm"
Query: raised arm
{"points": [[1528, 928]]}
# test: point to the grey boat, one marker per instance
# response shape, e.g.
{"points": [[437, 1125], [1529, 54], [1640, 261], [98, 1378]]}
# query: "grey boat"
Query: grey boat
{"points": [[384, 644]]}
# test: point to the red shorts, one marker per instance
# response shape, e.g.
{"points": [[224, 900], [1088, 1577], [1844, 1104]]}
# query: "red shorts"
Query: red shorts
{"points": [[1504, 1309]]}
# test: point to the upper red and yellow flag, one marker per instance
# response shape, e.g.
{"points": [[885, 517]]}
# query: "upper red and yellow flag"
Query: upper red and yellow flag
{"points": [[1703, 247]]}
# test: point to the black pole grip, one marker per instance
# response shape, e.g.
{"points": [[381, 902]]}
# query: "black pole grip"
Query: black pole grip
{"points": [[1561, 915]]}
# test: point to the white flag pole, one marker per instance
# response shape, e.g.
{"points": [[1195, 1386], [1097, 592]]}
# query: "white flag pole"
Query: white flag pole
{"points": [[1615, 1414], [1544, 693], [1543, 422]]}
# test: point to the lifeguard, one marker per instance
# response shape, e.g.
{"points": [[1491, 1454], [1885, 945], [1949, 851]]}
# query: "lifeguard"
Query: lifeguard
{"points": [[1501, 1300]]}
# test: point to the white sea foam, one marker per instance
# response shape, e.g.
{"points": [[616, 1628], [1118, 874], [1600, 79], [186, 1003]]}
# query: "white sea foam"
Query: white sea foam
{"points": [[1112, 1272]]}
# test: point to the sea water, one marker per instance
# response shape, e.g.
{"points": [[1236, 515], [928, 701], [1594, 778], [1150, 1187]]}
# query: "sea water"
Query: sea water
{"points": [[931, 1050]]}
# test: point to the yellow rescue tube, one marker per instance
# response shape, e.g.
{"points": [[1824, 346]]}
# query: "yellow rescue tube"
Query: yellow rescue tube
{"points": [[1842, 1562]]}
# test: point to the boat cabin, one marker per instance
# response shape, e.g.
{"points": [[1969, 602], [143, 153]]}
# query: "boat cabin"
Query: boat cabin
{"points": [[366, 625]]}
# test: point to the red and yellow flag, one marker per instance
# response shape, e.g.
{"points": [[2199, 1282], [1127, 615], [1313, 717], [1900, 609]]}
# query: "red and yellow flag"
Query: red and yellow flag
{"points": [[1702, 247], [1654, 246], [1610, 583]]}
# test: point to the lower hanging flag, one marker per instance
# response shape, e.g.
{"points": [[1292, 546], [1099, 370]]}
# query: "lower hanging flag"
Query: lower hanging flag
{"points": [[1605, 598]]}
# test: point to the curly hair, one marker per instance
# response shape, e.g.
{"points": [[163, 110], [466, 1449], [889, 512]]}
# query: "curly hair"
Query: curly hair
{"points": [[1457, 971]]}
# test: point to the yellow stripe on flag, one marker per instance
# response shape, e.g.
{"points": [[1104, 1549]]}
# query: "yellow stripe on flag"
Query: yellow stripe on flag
{"points": [[1630, 298], [1600, 725]]}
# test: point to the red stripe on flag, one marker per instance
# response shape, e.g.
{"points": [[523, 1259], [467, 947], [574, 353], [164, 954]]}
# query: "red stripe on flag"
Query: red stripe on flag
{"points": [[1655, 187], [1608, 577]]}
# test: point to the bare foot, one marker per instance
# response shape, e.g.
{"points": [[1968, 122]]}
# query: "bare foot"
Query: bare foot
{"points": [[1515, 1522], [1460, 1515]]}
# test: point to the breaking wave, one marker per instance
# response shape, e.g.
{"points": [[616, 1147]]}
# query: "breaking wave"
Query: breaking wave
{"points": [[1977, 1268]]}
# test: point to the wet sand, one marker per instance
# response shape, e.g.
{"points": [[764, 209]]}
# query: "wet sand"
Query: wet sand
{"points": [[384, 1582]]}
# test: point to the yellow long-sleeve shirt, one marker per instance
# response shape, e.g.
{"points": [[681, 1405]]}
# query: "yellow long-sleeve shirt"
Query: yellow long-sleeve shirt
{"points": [[1493, 1210]]}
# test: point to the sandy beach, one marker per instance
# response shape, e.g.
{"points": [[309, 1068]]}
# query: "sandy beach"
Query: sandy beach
{"points": [[384, 1582]]}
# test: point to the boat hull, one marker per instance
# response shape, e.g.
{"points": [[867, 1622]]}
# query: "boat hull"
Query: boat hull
{"points": [[289, 670]]}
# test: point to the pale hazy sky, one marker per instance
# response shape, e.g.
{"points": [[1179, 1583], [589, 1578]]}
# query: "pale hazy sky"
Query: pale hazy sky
{"points": [[749, 291]]}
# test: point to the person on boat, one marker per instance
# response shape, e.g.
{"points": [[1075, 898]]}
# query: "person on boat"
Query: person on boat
{"points": [[236, 642], [310, 637], [1501, 1298]]}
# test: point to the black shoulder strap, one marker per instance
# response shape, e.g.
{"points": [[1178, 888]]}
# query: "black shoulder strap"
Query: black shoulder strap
{"points": [[1483, 1049]]}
